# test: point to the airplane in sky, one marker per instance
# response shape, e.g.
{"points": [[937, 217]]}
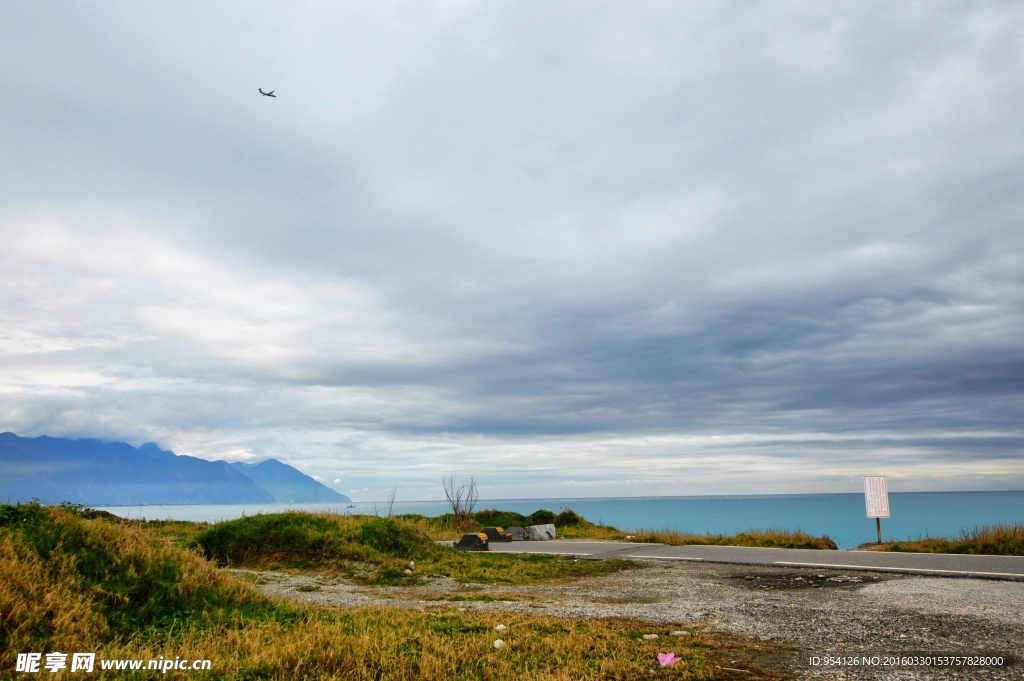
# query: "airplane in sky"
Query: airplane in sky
{"points": [[267, 94]]}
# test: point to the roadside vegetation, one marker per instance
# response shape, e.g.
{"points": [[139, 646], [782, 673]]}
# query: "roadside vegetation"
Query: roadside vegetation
{"points": [[571, 525], [375, 550], [995, 540], [776, 539], [74, 581], [1005, 539]]}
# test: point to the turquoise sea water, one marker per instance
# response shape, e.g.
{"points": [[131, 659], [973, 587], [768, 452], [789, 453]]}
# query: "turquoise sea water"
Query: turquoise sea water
{"points": [[840, 516]]}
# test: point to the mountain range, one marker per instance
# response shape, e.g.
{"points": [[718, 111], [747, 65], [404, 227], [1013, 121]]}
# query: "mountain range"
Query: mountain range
{"points": [[96, 473]]}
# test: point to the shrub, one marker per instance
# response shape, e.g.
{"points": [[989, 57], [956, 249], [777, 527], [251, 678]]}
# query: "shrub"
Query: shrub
{"points": [[410, 517], [392, 539], [21, 513], [360, 547], [291, 538], [541, 517], [568, 518], [494, 517]]}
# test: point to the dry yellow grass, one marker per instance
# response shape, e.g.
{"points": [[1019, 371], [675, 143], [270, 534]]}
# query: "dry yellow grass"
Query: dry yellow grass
{"points": [[998, 540], [399, 645], [35, 599], [784, 539], [68, 582]]}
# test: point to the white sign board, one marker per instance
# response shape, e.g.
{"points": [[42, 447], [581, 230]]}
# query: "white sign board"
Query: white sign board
{"points": [[876, 496]]}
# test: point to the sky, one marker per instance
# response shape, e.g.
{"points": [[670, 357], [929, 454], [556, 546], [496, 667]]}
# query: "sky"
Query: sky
{"points": [[572, 249]]}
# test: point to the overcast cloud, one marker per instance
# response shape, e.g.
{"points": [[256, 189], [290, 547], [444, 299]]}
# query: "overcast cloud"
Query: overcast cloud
{"points": [[572, 249]]}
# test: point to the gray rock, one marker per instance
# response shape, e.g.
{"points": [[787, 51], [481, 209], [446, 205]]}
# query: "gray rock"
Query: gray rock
{"points": [[540, 532]]}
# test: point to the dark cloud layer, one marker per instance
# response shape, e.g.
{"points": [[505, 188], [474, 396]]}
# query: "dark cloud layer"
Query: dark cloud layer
{"points": [[654, 249]]}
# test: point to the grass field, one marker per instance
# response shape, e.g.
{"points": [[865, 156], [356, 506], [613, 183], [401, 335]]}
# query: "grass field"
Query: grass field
{"points": [[76, 581]]}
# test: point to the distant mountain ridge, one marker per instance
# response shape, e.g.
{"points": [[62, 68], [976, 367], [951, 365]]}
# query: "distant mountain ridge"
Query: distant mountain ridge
{"points": [[96, 473], [285, 483]]}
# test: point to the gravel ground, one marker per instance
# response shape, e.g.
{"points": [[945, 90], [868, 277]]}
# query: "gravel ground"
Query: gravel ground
{"points": [[807, 612]]}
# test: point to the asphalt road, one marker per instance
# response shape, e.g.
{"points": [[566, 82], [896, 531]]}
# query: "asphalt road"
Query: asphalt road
{"points": [[938, 564]]}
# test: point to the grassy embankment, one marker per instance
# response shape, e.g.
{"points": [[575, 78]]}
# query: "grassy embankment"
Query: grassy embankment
{"points": [[570, 525], [997, 540], [375, 550], [72, 581], [1003, 539]]}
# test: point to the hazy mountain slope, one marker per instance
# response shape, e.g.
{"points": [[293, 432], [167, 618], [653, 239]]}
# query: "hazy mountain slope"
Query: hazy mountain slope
{"points": [[288, 484], [99, 473]]}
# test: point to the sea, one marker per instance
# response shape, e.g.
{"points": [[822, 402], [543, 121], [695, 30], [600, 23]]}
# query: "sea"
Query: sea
{"points": [[842, 517]]}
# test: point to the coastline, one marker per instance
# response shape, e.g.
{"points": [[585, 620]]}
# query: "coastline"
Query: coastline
{"points": [[839, 516]]}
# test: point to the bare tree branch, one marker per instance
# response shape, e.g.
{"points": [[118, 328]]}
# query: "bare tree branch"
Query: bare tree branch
{"points": [[462, 498], [472, 495], [391, 500]]}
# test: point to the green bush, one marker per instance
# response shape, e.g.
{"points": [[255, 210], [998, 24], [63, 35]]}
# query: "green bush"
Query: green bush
{"points": [[393, 539], [568, 518], [541, 517], [292, 538], [363, 548], [13, 515], [495, 518]]}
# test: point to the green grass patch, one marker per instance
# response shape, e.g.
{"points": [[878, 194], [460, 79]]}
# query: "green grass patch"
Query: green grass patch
{"points": [[1006, 539], [523, 568], [367, 549], [181, 533]]}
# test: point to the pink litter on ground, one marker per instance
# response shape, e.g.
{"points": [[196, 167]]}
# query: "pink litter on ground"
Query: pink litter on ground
{"points": [[668, 659]]}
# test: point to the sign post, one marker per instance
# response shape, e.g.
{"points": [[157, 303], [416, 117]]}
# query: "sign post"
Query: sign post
{"points": [[876, 498]]}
